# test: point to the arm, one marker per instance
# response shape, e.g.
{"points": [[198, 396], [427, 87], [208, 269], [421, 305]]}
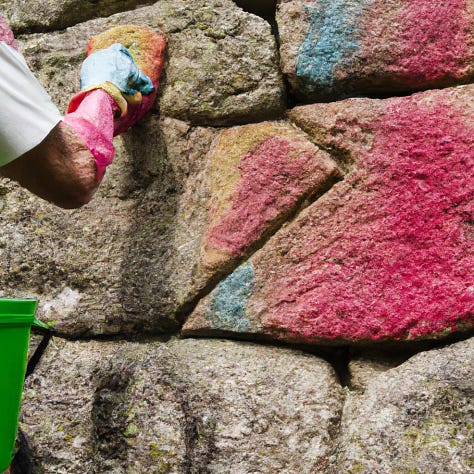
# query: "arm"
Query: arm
{"points": [[61, 169], [67, 166]]}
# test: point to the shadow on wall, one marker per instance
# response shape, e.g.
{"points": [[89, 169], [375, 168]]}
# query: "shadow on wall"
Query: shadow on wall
{"points": [[146, 289]]}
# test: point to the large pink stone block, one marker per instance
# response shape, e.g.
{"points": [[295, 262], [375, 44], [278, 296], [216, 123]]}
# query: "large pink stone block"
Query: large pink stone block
{"points": [[387, 254]]}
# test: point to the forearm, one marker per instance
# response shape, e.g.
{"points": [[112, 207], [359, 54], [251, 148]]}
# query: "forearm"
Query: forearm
{"points": [[60, 169], [68, 165]]}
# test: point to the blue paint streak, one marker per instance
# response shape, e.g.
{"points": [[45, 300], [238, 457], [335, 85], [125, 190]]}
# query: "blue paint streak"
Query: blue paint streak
{"points": [[330, 39], [227, 310]]}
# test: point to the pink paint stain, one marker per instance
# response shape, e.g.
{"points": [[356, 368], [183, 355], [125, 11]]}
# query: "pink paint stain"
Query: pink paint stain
{"points": [[395, 259], [273, 178], [434, 39], [6, 34]]}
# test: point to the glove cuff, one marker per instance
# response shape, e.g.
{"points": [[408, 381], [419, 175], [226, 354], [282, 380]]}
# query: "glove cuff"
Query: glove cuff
{"points": [[114, 92]]}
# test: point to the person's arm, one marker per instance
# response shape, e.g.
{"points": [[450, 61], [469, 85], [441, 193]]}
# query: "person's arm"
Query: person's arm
{"points": [[68, 165], [61, 169]]}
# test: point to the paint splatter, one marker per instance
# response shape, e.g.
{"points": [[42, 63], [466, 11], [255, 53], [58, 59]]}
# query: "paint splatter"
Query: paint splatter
{"points": [[395, 258], [331, 38], [227, 309]]}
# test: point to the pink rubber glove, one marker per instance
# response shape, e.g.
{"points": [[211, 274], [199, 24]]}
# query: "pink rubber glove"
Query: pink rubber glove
{"points": [[93, 121]]}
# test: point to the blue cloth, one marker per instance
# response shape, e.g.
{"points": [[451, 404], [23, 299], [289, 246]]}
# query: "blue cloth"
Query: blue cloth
{"points": [[116, 65]]}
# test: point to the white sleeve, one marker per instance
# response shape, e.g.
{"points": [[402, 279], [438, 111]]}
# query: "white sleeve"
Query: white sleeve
{"points": [[27, 114]]}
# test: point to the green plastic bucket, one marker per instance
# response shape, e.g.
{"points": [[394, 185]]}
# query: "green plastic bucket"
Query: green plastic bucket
{"points": [[16, 319]]}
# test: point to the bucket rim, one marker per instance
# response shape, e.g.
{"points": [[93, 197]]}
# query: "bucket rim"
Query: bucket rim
{"points": [[17, 319], [20, 311], [18, 305]]}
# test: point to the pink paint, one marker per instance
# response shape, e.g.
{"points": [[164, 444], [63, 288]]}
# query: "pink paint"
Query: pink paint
{"points": [[6, 34], [434, 39], [273, 177], [93, 121], [395, 257]]}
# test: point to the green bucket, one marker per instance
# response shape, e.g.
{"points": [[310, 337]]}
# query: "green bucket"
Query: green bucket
{"points": [[16, 319]]}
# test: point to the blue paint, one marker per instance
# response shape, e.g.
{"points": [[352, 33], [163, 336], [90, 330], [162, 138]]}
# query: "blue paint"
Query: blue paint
{"points": [[230, 298], [330, 40]]}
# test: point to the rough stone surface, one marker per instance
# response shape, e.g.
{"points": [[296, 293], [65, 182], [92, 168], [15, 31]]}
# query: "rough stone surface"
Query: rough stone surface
{"points": [[169, 219], [385, 254], [122, 263], [182, 406], [259, 176], [384, 257], [416, 418], [222, 65], [41, 15], [337, 48]]}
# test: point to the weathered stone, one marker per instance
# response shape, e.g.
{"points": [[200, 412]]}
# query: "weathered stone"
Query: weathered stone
{"points": [[169, 219], [222, 62], [121, 263], [259, 176], [339, 48], [184, 406], [418, 417], [269, 168], [223, 66], [384, 255], [41, 15]]}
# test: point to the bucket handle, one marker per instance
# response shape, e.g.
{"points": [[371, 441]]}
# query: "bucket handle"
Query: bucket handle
{"points": [[48, 332], [39, 324]]}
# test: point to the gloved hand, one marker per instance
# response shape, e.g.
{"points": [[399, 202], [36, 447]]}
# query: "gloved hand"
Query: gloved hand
{"points": [[114, 70]]}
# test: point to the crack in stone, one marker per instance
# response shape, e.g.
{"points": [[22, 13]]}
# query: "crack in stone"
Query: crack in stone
{"points": [[305, 201]]}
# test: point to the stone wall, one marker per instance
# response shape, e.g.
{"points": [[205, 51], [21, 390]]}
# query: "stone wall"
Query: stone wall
{"points": [[275, 275]]}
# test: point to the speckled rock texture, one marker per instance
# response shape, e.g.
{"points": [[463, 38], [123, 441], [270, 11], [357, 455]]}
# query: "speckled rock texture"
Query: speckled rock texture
{"points": [[385, 254], [221, 68], [234, 210], [41, 15], [259, 175], [336, 48], [418, 417], [181, 406]]}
